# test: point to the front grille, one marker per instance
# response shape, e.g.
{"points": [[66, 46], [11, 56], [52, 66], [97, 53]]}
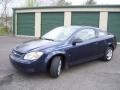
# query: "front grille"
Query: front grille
{"points": [[17, 54]]}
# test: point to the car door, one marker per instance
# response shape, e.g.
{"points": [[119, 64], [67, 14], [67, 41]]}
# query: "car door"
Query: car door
{"points": [[84, 50], [102, 44]]}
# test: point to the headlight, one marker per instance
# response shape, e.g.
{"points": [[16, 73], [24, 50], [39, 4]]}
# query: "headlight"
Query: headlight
{"points": [[33, 55]]}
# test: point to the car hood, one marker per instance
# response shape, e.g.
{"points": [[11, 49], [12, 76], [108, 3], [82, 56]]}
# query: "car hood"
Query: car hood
{"points": [[37, 44]]}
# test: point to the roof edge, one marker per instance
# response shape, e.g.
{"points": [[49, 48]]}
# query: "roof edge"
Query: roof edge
{"points": [[75, 6]]}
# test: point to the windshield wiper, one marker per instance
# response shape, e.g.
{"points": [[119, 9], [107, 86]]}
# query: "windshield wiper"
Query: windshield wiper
{"points": [[47, 39]]}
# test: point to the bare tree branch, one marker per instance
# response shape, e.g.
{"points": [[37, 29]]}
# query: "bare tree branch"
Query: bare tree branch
{"points": [[4, 14], [90, 2]]}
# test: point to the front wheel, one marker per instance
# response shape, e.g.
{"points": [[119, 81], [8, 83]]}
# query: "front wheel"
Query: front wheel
{"points": [[55, 68], [108, 54]]}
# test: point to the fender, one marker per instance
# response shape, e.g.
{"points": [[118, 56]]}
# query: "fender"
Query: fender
{"points": [[53, 54], [109, 43]]}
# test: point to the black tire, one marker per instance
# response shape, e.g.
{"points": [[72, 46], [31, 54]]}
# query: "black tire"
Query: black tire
{"points": [[56, 65], [106, 56]]}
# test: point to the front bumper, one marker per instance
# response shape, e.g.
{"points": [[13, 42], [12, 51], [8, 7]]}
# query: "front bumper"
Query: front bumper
{"points": [[28, 66]]}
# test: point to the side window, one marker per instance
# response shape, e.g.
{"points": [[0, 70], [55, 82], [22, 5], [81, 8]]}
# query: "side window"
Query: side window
{"points": [[85, 34], [101, 34]]}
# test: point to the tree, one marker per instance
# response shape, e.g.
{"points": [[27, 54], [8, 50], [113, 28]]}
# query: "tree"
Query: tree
{"points": [[36, 3], [4, 14], [31, 3], [90, 2], [60, 3], [63, 3]]}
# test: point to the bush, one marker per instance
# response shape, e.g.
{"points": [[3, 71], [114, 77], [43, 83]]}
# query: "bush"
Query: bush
{"points": [[3, 31]]}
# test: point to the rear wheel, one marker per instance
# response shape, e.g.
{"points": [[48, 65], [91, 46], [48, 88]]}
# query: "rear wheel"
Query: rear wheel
{"points": [[55, 68], [108, 54]]}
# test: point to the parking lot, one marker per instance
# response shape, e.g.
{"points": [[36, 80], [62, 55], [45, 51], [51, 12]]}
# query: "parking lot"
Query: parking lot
{"points": [[95, 75]]}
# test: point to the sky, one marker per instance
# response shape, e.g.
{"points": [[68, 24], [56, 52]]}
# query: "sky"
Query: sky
{"points": [[20, 3]]}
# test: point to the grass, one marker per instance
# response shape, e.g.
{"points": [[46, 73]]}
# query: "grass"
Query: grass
{"points": [[3, 32]]}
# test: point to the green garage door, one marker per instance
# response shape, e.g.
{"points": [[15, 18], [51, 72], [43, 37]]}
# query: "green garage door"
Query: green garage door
{"points": [[114, 24], [25, 24], [51, 20], [85, 18]]}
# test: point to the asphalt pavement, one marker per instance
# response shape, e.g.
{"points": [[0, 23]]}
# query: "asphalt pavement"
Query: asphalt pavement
{"points": [[95, 75]]}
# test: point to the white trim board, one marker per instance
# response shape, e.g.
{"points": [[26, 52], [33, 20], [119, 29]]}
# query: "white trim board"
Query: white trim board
{"points": [[103, 21], [23, 36], [37, 24], [15, 24], [118, 42], [69, 9], [67, 18]]}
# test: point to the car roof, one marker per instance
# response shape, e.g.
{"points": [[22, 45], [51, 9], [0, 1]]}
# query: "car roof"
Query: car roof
{"points": [[80, 27]]}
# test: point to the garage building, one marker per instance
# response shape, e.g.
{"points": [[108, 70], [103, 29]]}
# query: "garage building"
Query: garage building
{"points": [[39, 20]]}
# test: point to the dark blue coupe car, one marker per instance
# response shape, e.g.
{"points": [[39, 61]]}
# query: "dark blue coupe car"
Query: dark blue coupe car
{"points": [[63, 47]]}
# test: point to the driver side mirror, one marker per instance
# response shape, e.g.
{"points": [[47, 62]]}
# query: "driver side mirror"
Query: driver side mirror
{"points": [[76, 41]]}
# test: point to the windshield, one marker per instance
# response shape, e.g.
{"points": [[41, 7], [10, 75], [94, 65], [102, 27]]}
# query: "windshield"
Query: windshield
{"points": [[58, 34]]}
